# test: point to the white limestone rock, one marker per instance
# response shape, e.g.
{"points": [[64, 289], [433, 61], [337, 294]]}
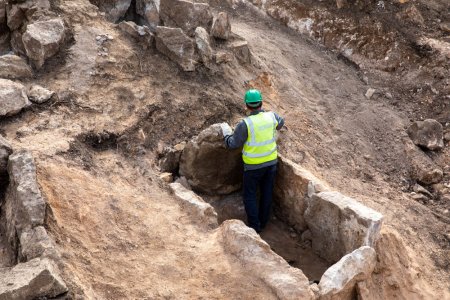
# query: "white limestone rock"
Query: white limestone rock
{"points": [[43, 39], [293, 186], [202, 212], [14, 67], [203, 43], [339, 281], [340, 224], [35, 279], [13, 98], [257, 257]]}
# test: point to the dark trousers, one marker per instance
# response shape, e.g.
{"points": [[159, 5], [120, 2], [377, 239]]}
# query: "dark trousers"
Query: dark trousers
{"points": [[258, 215]]}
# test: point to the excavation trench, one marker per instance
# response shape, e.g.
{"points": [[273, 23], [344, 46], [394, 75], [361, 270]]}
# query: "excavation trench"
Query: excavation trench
{"points": [[312, 228], [282, 238]]}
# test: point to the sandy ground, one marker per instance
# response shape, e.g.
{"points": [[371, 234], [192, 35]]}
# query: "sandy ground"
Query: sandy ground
{"points": [[120, 232]]}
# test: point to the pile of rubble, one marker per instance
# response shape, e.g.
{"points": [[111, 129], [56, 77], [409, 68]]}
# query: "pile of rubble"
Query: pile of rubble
{"points": [[186, 32], [35, 260], [31, 30], [30, 33], [426, 137]]}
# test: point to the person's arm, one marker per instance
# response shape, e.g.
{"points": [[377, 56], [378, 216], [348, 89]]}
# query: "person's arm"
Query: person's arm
{"points": [[280, 121], [238, 138]]}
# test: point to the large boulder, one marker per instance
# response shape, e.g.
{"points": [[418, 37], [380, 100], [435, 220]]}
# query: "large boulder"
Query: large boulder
{"points": [[149, 11], [35, 279], [114, 9], [203, 43], [221, 27], [36, 242], [43, 39], [208, 166], [13, 97], [202, 212], [293, 186], [428, 134], [423, 169], [186, 15], [340, 224], [260, 261], [339, 281], [176, 45], [14, 67], [24, 207]]}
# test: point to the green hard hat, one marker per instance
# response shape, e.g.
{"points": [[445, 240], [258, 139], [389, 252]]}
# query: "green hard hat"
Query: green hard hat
{"points": [[253, 98]]}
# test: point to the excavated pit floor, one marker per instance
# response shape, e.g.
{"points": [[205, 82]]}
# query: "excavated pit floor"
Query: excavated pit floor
{"points": [[282, 239]]}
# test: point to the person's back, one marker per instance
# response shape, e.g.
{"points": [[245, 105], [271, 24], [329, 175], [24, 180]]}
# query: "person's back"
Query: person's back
{"points": [[256, 134]]}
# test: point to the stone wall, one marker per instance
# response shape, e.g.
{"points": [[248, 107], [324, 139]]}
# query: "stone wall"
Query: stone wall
{"points": [[292, 188], [23, 217]]}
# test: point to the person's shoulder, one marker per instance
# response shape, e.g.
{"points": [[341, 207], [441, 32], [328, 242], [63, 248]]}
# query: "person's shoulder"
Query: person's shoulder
{"points": [[242, 123]]}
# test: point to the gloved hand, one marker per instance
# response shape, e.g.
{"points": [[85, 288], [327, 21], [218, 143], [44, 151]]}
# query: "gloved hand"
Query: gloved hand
{"points": [[226, 129]]}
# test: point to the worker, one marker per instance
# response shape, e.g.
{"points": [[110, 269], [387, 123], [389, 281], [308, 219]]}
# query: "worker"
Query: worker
{"points": [[256, 134]]}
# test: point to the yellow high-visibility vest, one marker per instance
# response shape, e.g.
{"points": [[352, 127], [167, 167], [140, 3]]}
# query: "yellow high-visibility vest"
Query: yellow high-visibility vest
{"points": [[261, 145]]}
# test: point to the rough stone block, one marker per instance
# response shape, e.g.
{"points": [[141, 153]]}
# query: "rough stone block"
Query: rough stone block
{"points": [[24, 207], [149, 11], [202, 41], [339, 281], [36, 243], [39, 94], [186, 15], [13, 97], [176, 45], [221, 27], [423, 169], [14, 67], [141, 33], [223, 57], [257, 257], [208, 166], [291, 192], [428, 133], [340, 224], [37, 278], [239, 47], [202, 212], [43, 39]]}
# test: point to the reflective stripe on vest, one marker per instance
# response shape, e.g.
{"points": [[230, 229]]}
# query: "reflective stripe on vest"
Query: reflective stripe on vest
{"points": [[260, 146]]}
